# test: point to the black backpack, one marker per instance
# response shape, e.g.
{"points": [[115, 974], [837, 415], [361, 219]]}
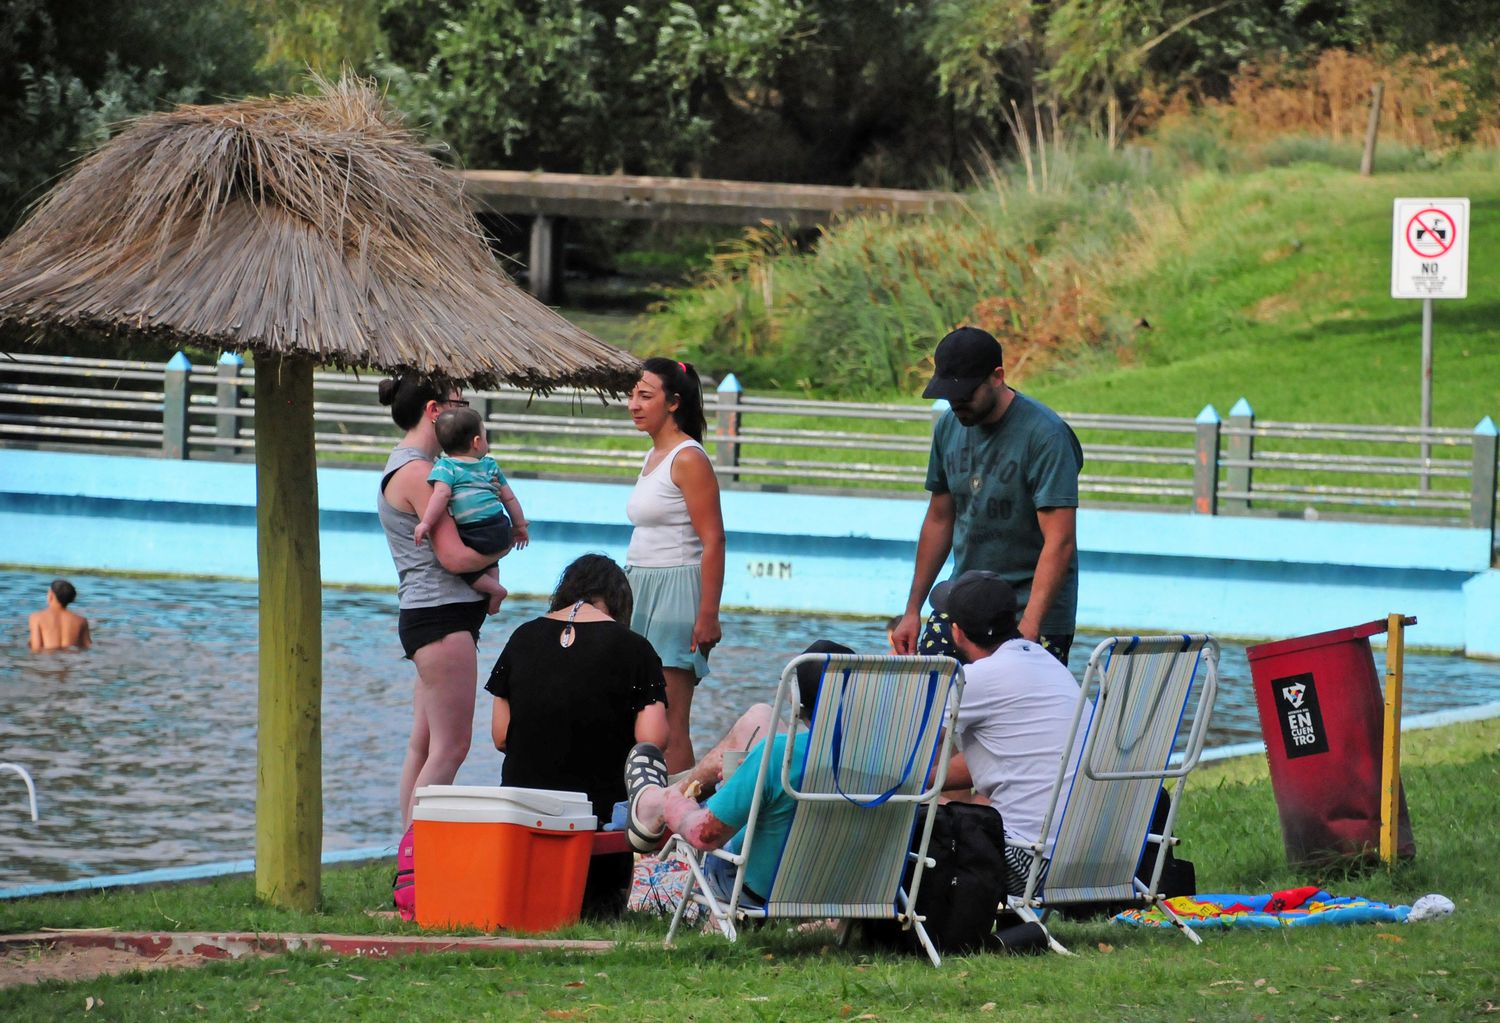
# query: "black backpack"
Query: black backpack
{"points": [[962, 892]]}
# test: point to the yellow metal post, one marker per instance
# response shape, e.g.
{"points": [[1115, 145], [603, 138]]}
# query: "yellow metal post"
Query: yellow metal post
{"points": [[1390, 759]]}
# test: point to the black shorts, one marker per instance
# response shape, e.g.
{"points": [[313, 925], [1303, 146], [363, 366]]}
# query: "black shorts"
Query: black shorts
{"points": [[492, 536], [488, 537], [423, 625]]}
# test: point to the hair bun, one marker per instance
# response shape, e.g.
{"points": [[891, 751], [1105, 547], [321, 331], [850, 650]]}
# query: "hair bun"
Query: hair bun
{"points": [[387, 390]]}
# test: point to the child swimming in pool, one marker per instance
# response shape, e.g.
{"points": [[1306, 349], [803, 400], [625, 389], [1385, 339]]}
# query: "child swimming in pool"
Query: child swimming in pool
{"points": [[467, 482], [57, 628]]}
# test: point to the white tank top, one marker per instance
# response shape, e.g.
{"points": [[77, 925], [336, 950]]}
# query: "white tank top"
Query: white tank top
{"points": [[664, 536]]}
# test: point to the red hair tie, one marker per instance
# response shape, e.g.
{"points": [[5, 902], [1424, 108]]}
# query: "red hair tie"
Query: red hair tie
{"points": [[683, 365]]}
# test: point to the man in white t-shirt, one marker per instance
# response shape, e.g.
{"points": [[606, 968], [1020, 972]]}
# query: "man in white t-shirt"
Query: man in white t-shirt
{"points": [[1016, 716]]}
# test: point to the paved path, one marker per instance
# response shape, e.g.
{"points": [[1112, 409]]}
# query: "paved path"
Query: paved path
{"points": [[82, 954]]}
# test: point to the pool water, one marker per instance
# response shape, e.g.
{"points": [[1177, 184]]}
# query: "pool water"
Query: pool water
{"points": [[143, 748]]}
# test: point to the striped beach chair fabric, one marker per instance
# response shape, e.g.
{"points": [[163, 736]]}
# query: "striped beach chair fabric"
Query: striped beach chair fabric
{"points": [[1142, 715], [881, 727]]}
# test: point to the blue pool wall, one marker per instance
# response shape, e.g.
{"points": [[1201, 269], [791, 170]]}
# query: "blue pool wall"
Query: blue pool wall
{"points": [[1140, 570]]}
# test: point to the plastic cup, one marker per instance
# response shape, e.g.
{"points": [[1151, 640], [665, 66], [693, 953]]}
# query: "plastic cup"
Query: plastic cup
{"points": [[733, 758]]}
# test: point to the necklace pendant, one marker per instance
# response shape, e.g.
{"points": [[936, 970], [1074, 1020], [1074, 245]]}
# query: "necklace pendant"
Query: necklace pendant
{"points": [[568, 632]]}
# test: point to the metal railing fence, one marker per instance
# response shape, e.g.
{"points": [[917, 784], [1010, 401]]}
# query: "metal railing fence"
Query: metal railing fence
{"points": [[1205, 464]]}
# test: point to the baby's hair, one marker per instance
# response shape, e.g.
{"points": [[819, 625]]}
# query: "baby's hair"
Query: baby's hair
{"points": [[457, 428], [890, 626], [63, 591]]}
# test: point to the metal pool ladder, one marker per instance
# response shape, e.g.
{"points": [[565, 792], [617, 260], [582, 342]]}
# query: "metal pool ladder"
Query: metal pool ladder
{"points": [[30, 788]]}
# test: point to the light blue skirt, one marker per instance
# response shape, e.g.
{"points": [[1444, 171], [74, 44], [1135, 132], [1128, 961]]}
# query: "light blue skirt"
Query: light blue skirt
{"points": [[666, 605]]}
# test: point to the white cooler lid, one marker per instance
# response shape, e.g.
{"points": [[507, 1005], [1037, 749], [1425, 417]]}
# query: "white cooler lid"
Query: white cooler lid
{"points": [[496, 813], [491, 798]]}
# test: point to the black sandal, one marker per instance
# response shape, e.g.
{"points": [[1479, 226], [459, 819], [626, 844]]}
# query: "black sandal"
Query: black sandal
{"points": [[644, 767]]}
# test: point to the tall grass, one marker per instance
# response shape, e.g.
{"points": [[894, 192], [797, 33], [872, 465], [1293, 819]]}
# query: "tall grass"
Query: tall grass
{"points": [[859, 311]]}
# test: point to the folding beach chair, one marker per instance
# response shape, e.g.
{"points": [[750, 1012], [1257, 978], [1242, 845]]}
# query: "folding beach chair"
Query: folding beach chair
{"points": [[1155, 695], [875, 735]]}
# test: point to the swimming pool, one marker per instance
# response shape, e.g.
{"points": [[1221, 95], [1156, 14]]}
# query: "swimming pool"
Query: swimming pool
{"points": [[143, 748]]}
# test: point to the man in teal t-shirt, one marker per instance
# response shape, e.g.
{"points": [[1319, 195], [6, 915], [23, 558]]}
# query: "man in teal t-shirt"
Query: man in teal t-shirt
{"points": [[720, 822], [731, 806], [1003, 475]]}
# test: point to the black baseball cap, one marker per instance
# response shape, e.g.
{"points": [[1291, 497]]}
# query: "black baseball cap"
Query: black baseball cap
{"points": [[981, 602], [963, 360]]}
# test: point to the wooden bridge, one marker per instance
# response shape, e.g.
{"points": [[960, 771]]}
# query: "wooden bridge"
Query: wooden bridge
{"points": [[551, 198]]}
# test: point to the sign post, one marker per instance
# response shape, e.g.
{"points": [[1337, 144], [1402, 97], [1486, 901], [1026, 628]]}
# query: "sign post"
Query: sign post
{"points": [[1429, 259]]}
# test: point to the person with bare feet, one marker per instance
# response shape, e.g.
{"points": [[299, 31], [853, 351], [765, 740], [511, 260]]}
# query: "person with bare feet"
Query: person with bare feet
{"points": [[468, 483], [719, 821], [57, 628], [441, 616]]}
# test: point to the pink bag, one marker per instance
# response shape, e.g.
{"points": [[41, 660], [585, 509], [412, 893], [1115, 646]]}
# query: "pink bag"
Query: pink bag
{"points": [[404, 888]]}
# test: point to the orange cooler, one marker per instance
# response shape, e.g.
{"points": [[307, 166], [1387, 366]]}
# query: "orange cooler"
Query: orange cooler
{"points": [[510, 858]]}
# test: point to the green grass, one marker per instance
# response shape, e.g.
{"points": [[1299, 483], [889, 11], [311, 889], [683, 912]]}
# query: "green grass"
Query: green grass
{"points": [[619, 328], [1435, 970], [1275, 286]]}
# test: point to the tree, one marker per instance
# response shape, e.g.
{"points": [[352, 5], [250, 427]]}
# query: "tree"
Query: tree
{"points": [[70, 70], [581, 85], [859, 104], [1090, 59], [323, 36]]}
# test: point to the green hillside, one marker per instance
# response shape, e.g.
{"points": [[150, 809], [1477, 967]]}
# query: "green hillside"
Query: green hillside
{"points": [[1136, 283], [1275, 286]]}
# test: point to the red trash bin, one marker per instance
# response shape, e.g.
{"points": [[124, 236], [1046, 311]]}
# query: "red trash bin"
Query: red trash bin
{"points": [[1323, 718]]}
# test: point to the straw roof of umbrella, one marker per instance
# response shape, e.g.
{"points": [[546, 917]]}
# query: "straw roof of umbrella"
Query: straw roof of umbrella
{"points": [[315, 225]]}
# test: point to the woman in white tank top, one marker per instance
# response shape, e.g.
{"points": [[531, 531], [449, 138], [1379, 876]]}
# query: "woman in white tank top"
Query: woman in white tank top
{"points": [[676, 556]]}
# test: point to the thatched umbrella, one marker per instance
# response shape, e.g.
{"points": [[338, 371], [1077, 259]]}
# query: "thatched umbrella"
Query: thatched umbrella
{"points": [[307, 230]]}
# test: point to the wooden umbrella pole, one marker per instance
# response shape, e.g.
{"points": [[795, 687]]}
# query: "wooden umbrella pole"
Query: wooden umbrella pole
{"points": [[289, 775]]}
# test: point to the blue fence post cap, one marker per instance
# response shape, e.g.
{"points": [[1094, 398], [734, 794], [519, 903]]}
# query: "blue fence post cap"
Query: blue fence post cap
{"points": [[231, 359], [1208, 415], [179, 363], [1241, 408], [1486, 427], [730, 384]]}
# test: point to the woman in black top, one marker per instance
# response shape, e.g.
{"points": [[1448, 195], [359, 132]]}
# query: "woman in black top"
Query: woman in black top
{"points": [[574, 690]]}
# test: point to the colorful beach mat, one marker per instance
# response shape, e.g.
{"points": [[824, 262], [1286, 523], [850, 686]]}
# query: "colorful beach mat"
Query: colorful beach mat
{"points": [[658, 884], [1295, 907]]}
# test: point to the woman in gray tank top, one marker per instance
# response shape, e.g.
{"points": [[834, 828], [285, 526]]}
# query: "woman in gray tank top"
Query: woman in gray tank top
{"points": [[440, 614]]}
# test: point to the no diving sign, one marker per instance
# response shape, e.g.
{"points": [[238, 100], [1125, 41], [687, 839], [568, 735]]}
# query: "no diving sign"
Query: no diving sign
{"points": [[1430, 249]]}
